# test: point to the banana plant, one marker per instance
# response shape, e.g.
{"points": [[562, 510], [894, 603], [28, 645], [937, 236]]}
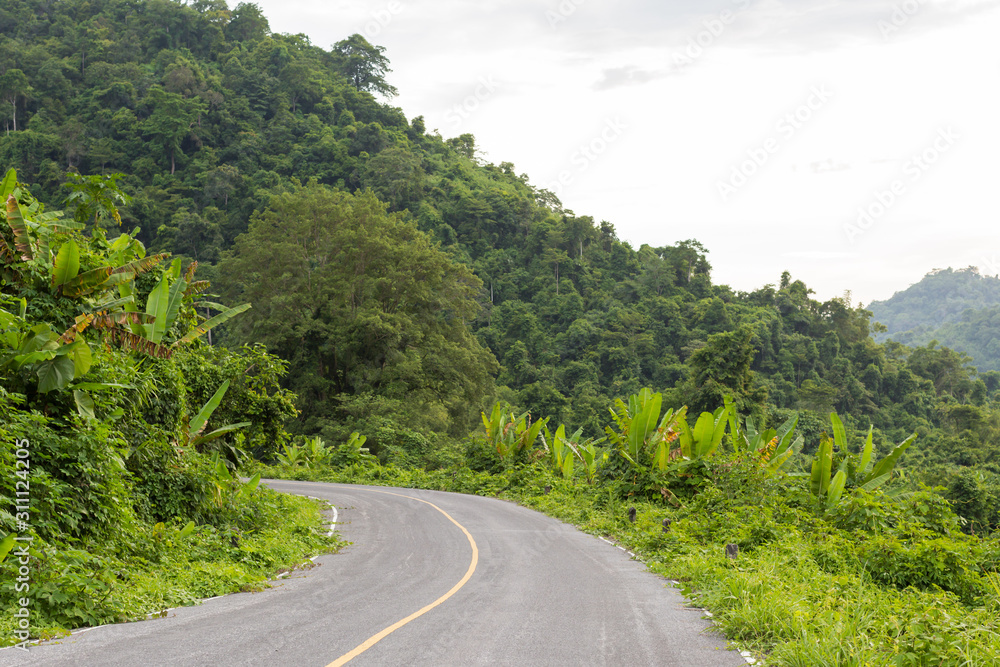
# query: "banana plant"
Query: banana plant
{"points": [[509, 434], [868, 474], [565, 450], [352, 452], [226, 486], [36, 234], [592, 457], [703, 440], [293, 456], [313, 453], [865, 474], [640, 428], [562, 450], [317, 452], [821, 486], [163, 308], [774, 447], [192, 431]]}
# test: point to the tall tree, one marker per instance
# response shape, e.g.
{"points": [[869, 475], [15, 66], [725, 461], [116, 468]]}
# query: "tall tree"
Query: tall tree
{"points": [[171, 120], [363, 305], [14, 87], [364, 65]]}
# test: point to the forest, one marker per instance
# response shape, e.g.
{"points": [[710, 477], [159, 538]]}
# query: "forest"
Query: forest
{"points": [[958, 309], [216, 230]]}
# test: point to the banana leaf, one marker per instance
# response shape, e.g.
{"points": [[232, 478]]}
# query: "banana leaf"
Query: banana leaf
{"points": [[866, 456], [886, 465], [156, 306], [839, 434], [7, 543], [218, 433], [6, 188], [199, 421], [86, 282], [204, 327], [250, 486], [22, 242], [67, 264], [836, 489]]}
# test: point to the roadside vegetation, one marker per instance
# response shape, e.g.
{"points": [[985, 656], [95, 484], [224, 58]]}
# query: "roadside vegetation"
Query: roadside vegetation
{"points": [[803, 559], [118, 473]]}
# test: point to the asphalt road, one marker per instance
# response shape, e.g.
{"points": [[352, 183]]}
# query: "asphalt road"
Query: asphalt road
{"points": [[535, 592]]}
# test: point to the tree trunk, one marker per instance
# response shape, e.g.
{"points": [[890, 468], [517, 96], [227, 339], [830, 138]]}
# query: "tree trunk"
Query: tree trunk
{"points": [[172, 166]]}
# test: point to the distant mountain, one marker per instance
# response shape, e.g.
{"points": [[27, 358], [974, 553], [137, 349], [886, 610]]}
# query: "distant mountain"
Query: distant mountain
{"points": [[959, 309]]}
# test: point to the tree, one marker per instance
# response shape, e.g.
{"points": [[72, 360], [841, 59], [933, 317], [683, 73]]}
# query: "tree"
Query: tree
{"points": [[248, 23], [364, 65], [170, 121], [95, 198], [14, 87], [364, 307], [396, 175], [722, 368]]}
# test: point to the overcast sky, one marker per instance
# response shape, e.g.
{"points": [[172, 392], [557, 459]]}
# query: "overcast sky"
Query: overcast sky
{"points": [[851, 142]]}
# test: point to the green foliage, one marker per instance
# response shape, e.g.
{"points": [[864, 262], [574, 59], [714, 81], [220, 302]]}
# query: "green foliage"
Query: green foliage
{"points": [[956, 308], [510, 435], [776, 447], [353, 453], [255, 394], [363, 65], [639, 433], [228, 491], [113, 458], [313, 453], [95, 199], [863, 473], [369, 313], [570, 310]]}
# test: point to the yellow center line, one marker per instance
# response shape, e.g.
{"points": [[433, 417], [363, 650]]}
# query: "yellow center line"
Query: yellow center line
{"points": [[374, 639]]}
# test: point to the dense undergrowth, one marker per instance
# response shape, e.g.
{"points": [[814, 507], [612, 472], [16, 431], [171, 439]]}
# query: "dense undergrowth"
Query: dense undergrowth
{"points": [[120, 483]]}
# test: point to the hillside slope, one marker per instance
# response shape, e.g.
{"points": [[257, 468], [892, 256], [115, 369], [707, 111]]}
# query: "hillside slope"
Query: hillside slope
{"points": [[958, 309], [217, 122]]}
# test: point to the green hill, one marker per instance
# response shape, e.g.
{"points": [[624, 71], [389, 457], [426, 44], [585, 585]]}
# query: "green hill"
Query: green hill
{"points": [[958, 309], [222, 127]]}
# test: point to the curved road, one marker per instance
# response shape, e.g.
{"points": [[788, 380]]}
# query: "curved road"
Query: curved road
{"points": [[511, 587]]}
